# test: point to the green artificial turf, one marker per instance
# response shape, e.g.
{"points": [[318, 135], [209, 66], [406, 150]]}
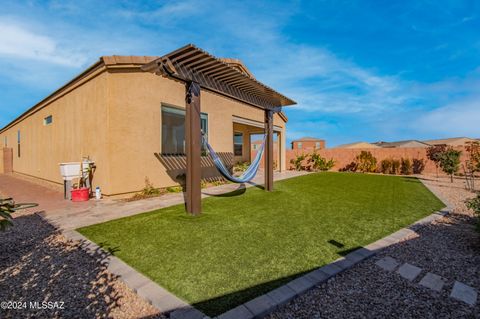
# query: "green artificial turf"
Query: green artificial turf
{"points": [[249, 242]]}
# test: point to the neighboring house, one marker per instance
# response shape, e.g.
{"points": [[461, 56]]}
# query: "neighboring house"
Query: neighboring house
{"points": [[402, 144], [454, 141], [358, 145], [131, 123], [308, 143]]}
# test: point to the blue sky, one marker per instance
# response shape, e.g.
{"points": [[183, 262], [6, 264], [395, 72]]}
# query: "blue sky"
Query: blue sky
{"points": [[359, 70]]}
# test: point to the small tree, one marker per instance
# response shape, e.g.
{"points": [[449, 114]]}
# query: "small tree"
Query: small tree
{"points": [[366, 162], [473, 149], [434, 153], [450, 162]]}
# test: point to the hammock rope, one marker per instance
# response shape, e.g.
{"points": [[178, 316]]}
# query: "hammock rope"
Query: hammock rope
{"points": [[249, 173]]}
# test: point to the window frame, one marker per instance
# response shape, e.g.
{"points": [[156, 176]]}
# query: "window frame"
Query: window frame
{"points": [[183, 112], [48, 120], [299, 145], [234, 143]]}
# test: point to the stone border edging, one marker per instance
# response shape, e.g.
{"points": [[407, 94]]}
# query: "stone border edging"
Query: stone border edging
{"points": [[262, 305]]}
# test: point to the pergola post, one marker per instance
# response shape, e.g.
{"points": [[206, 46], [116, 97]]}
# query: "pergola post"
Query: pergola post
{"points": [[193, 149], [269, 150]]}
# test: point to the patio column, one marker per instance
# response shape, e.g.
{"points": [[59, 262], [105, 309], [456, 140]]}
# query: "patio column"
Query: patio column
{"points": [[193, 149], [269, 150]]}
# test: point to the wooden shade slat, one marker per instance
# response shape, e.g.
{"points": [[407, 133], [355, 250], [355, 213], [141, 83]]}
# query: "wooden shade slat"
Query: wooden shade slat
{"points": [[192, 64]]}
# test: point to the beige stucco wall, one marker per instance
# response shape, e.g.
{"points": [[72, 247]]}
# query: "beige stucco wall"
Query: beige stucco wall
{"points": [[115, 118], [79, 129], [1, 161], [135, 100]]}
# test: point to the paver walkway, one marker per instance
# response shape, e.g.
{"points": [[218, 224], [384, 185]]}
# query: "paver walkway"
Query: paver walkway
{"points": [[460, 291], [68, 215]]}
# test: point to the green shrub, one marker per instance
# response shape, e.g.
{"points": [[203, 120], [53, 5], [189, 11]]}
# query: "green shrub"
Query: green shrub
{"points": [[297, 162], [241, 166], [352, 167], [174, 189], [149, 190], [450, 162], [474, 204], [366, 162], [6, 210], [395, 170], [418, 166], [319, 163], [386, 166], [406, 167]]}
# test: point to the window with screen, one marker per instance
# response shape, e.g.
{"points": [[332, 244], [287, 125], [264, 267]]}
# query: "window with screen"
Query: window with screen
{"points": [[173, 130], [238, 144], [299, 144], [317, 145]]}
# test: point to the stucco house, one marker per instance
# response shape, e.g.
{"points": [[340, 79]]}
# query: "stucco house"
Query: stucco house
{"points": [[402, 144], [131, 123], [309, 143], [358, 145], [453, 141]]}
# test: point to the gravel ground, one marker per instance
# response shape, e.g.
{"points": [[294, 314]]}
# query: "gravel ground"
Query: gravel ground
{"points": [[38, 264], [449, 247]]}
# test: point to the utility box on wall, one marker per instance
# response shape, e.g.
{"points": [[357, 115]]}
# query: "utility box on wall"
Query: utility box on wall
{"points": [[7, 161]]}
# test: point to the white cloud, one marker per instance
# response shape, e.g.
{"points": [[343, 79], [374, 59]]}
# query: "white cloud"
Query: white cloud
{"points": [[17, 42], [457, 119]]}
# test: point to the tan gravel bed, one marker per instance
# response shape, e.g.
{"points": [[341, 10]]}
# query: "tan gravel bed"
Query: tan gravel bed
{"points": [[449, 247], [38, 264]]}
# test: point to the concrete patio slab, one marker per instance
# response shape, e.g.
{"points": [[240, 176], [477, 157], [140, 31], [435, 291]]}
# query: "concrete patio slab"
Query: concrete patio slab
{"points": [[67, 215]]}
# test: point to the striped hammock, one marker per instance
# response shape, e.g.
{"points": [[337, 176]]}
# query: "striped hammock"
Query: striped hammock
{"points": [[249, 173]]}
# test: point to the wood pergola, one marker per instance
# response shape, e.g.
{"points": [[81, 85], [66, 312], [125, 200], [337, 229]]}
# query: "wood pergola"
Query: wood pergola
{"points": [[201, 70]]}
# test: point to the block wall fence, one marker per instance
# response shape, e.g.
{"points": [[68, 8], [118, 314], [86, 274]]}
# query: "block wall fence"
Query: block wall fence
{"points": [[344, 156]]}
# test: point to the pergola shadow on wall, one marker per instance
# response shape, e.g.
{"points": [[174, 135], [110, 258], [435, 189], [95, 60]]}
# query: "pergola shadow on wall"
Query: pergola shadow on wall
{"points": [[175, 166], [201, 70]]}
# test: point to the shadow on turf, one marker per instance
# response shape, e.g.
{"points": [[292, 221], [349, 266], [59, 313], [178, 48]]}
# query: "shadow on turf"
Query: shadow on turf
{"points": [[239, 191], [221, 304]]}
